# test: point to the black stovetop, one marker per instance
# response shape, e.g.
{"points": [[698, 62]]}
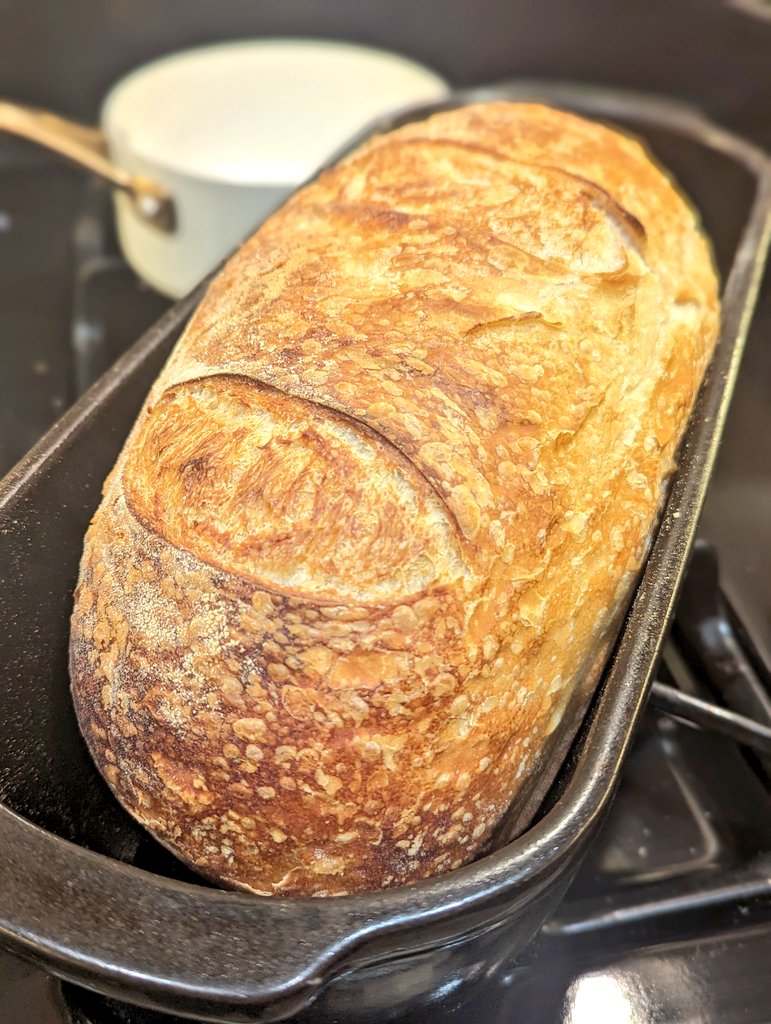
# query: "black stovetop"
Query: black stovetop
{"points": [[669, 919]]}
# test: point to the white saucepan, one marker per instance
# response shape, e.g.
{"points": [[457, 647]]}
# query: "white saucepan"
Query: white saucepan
{"points": [[202, 144]]}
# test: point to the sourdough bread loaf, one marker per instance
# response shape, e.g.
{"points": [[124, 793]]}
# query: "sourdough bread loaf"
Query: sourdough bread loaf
{"points": [[387, 497]]}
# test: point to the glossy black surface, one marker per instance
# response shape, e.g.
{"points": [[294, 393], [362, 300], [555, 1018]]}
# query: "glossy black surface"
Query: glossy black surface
{"points": [[437, 978], [37, 208], [721, 652], [68, 305]]}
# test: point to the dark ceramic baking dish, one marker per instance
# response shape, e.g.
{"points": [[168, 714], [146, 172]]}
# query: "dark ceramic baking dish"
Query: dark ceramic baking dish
{"points": [[82, 888]]}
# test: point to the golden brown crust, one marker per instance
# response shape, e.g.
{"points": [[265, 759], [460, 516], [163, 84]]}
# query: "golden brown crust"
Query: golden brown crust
{"points": [[386, 497]]}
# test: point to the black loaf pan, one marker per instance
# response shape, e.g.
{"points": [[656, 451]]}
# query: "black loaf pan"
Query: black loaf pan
{"points": [[86, 892]]}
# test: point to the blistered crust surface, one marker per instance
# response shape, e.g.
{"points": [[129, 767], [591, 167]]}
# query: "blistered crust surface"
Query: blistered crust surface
{"points": [[387, 496]]}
